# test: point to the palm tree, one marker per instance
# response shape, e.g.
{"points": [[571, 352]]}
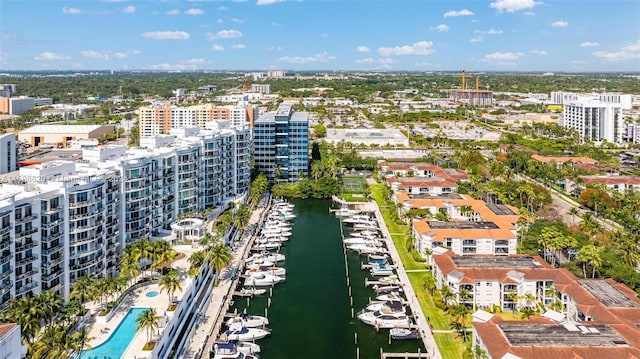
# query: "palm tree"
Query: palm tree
{"points": [[50, 303], [591, 255], [196, 259], [84, 289], [129, 267], [589, 224], [171, 283], [26, 313], [242, 216], [148, 320], [574, 212], [219, 257], [447, 295], [460, 313], [80, 339], [626, 245]]}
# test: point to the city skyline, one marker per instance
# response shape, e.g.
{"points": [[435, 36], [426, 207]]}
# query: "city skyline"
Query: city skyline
{"points": [[491, 35]]}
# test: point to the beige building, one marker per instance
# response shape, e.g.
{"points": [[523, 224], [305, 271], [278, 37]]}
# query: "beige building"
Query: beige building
{"points": [[61, 135]]}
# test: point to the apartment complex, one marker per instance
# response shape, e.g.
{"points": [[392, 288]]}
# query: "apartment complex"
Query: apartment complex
{"points": [[16, 105], [281, 144], [420, 178], [596, 117], [585, 318], [8, 153], [62, 220], [160, 118]]}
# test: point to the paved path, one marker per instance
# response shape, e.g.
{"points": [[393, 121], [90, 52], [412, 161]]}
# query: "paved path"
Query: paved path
{"points": [[209, 326], [421, 322]]}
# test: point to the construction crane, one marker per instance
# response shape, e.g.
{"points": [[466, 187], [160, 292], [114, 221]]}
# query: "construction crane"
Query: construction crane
{"points": [[463, 81]]}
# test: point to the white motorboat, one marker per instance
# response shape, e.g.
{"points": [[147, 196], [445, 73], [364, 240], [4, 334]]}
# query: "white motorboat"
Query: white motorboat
{"points": [[247, 347], [346, 212], [266, 246], [283, 205], [258, 272], [248, 320], [359, 240], [366, 226], [390, 280], [381, 289], [364, 248], [381, 271], [276, 231], [404, 333], [268, 256], [252, 291], [244, 334], [259, 263], [274, 237], [230, 351], [385, 321], [263, 280], [387, 307], [393, 296], [358, 218], [378, 256], [365, 233], [286, 215]]}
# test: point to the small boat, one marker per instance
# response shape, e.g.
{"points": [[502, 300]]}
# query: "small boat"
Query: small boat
{"points": [[364, 248], [263, 280], [244, 334], [404, 333], [390, 297], [268, 256], [381, 271], [265, 246], [262, 271], [359, 240], [252, 291], [378, 256], [381, 289], [378, 262], [388, 307], [346, 212], [229, 351], [383, 320], [366, 225], [390, 280], [256, 264], [247, 347], [358, 218], [248, 320], [365, 233]]}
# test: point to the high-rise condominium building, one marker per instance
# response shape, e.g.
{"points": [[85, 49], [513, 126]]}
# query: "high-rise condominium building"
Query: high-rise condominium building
{"points": [[63, 220], [594, 120], [281, 144], [8, 153], [160, 118]]}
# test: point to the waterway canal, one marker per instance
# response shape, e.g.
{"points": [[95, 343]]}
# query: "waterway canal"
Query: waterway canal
{"points": [[310, 313]]}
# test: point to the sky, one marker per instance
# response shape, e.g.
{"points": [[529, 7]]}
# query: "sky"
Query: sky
{"points": [[348, 35]]}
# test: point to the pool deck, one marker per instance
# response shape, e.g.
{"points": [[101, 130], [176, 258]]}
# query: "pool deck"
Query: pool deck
{"points": [[100, 332]]}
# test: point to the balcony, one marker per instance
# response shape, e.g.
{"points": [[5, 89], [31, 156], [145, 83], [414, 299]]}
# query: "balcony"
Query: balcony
{"points": [[27, 274], [26, 232], [49, 251], [6, 229], [24, 219], [25, 288], [25, 260], [26, 245], [78, 204]]}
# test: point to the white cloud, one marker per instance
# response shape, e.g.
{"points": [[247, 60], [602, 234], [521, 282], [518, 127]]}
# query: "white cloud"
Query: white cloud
{"points": [[72, 11], [440, 28], [50, 56], [589, 44], [529, 13], [476, 39], [538, 52], [238, 46], [463, 12], [135, 52], [418, 48], [224, 34], [219, 21], [119, 55], [502, 56], [513, 5], [371, 60], [222, 8], [362, 49], [167, 35], [129, 9], [239, 0], [238, 21], [194, 61], [578, 62], [194, 11], [187, 65], [95, 55], [173, 12], [560, 24], [323, 57], [274, 48], [627, 52], [216, 47], [491, 31], [268, 2]]}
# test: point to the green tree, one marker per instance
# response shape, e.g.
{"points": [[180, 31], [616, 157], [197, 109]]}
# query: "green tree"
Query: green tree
{"points": [[171, 283], [591, 255], [148, 320], [219, 257]]}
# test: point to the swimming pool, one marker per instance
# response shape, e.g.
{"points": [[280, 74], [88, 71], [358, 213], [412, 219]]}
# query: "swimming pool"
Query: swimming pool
{"points": [[153, 293], [119, 339]]}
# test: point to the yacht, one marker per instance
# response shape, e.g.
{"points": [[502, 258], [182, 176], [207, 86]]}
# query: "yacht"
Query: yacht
{"points": [[247, 347], [385, 320], [378, 262], [277, 231], [393, 296], [346, 212], [262, 271], [274, 237], [404, 333], [370, 225], [265, 246], [365, 233], [358, 218], [364, 248], [359, 240], [252, 291], [248, 320], [378, 256], [258, 263], [382, 289], [263, 280], [244, 334], [389, 306], [229, 351], [381, 271], [268, 256], [390, 280]]}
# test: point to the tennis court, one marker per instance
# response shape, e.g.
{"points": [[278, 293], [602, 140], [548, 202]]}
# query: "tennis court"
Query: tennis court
{"points": [[353, 184]]}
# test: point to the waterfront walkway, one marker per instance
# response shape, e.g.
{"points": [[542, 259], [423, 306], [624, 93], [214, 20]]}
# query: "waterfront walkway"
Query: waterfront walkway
{"points": [[208, 327], [421, 322]]}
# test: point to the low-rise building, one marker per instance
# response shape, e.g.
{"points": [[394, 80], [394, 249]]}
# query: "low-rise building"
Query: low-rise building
{"points": [[616, 183], [61, 135], [367, 137], [420, 178], [10, 345]]}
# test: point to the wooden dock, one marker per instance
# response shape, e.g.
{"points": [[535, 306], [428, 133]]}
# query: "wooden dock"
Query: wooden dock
{"points": [[403, 355]]}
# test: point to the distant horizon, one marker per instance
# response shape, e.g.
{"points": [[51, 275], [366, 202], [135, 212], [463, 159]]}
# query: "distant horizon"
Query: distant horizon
{"points": [[582, 36]]}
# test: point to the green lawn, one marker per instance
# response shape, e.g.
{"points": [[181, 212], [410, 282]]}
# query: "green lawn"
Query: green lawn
{"points": [[353, 197], [449, 344]]}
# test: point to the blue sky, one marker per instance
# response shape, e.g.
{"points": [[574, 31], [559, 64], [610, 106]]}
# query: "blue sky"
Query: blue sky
{"points": [[424, 35]]}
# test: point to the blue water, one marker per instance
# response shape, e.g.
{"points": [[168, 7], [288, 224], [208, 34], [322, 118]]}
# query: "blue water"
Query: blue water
{"points": [[119, 339], [153, 293]]}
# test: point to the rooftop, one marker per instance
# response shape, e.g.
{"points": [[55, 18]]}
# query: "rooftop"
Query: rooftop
{"points": [[609, 295], [495, 262], [561, 335], [449, 195], [462, 225], [62, 129]]}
